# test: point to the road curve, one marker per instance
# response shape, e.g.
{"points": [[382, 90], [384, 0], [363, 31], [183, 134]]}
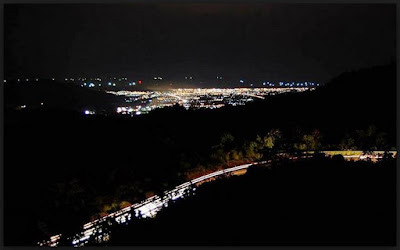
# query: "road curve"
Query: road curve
{"points": [[146, 208]]}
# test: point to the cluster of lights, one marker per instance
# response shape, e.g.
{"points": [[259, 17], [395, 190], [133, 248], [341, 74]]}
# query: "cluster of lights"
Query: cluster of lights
{"points": [[242, 81], [89, 112], [98, 79], [298, 84], [111, 84], [125, 110], [53, 242], [195, 98], [128, 93], [286, 84]]}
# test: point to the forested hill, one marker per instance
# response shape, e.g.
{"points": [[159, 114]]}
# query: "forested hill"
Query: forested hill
{"points": [[353, 100], [367, 94]]}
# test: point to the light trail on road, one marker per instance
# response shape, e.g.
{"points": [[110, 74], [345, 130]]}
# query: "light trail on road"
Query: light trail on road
{"points": [[150, 206], [147, 208]]}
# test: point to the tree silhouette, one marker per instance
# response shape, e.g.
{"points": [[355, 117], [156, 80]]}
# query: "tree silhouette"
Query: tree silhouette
{"points": [[372, 138], [348, 143]]}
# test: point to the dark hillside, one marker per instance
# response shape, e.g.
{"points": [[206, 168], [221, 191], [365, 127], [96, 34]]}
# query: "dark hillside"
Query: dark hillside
{"points": [[353, 100], [58, 95], [315, 202]]}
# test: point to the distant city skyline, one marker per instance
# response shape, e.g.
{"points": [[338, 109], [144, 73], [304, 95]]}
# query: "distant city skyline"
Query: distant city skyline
{"points": [[255, 42], [118, 81]]}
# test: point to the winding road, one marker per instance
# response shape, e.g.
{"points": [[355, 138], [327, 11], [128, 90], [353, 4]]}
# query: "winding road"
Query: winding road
{"points": [[150, 206]]}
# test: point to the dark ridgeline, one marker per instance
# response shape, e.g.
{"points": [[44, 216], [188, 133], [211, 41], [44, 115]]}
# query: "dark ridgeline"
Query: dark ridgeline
{"points": [[316, 202], [60, 166], [58, 96]]}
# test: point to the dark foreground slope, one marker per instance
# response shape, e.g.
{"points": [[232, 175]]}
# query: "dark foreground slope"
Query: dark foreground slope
{"points": [[315, 202]]}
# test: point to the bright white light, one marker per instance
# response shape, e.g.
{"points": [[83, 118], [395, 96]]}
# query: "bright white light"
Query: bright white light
{"points": [[148, 207], [87, 225], [87, 112]]}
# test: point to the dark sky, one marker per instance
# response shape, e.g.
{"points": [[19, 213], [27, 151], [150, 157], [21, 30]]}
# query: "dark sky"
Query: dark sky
{"points": [[256, 42]]}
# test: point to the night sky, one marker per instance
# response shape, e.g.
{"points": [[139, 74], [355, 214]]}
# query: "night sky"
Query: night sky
{"points": [[255, 42]]}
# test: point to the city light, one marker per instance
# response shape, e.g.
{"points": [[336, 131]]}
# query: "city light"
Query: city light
{"points": [[89, 112], [142, 102]]}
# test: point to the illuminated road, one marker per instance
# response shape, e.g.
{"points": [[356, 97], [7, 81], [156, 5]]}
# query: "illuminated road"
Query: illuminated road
{"points": [[146, 208], [150, 206], [257, 96]]}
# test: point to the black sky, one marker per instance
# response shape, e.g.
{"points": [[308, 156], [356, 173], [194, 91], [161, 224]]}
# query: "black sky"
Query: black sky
{"points": [[257, 42]]}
